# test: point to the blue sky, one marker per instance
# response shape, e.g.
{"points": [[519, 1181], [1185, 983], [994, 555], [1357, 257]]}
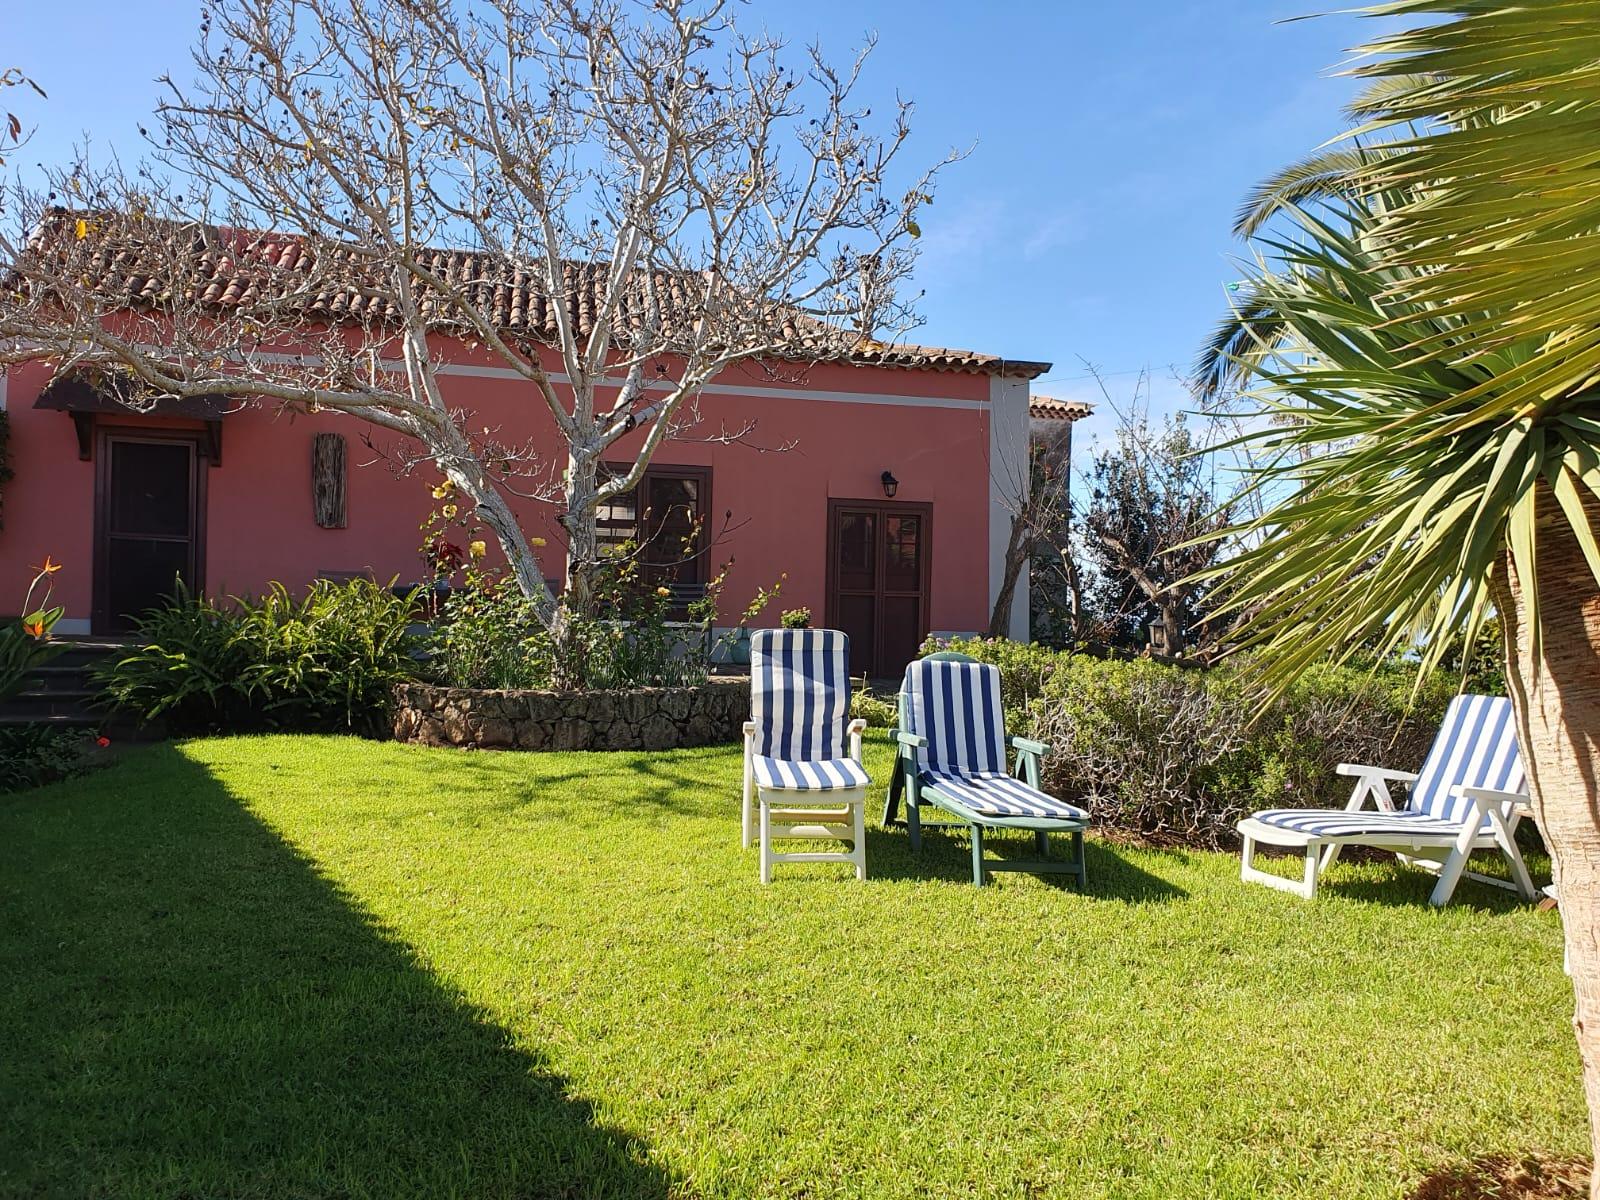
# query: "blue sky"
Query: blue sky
{"points": [[1111, 144]]}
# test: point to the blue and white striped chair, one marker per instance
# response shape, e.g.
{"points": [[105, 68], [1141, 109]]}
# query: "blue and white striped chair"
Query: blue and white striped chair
{"points": [[1468, 796], [952, 754], [802, 753]]}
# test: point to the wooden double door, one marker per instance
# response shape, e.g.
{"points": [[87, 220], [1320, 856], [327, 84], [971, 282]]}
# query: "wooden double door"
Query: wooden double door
{"points": [[878, 573]]}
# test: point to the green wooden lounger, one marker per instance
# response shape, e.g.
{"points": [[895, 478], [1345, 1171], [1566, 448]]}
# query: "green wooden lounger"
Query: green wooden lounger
{"points": [[951, 753]]}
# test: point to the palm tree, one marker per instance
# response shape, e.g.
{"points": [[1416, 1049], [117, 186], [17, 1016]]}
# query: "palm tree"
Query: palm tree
{"points": [[1424, 347]]}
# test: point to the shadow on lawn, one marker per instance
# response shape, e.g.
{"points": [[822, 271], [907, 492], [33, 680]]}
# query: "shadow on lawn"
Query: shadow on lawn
{"points": [[1383, 880], [947, 855], [192, 1010]]}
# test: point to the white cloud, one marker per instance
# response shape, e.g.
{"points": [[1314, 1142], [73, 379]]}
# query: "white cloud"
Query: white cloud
{"points": [[1062, 229]]}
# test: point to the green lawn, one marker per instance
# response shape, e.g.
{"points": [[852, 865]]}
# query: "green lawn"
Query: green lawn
{"points": [[308, 967]]}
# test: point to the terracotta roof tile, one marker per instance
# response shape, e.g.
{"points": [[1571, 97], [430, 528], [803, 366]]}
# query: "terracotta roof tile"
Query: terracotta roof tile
{"points": [[1048, 408], [233, 267]]}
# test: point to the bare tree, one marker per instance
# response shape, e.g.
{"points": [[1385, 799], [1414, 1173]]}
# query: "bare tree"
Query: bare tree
{"points": [[615, 200], [1146, 498], [1037, 495]]}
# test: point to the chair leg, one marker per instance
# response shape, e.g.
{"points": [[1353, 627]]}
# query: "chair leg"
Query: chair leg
{"points": [[1450, 871], [897, 785], [1079, 861], [1330, 856], [1041, 840], [977, 854], [766, 841], [1505, 834], [1313, 862], [861, 837], [913, 823], [749, 786]]}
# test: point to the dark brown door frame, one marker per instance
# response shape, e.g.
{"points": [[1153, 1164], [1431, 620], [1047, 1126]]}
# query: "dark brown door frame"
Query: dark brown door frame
{"points": [[100, 616], [884, 508]]}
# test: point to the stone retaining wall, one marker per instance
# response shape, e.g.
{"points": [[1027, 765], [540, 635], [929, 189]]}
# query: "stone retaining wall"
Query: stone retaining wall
{"points": [[642, 719]]}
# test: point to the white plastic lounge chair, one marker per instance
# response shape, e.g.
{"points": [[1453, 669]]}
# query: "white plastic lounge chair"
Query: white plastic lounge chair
{"points": [[797, 768], [952, 754], [1465, 798]]}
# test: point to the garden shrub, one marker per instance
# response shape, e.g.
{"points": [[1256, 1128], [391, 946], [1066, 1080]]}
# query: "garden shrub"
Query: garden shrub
{"points": [[876, 711], [489, 637], [37, 754], [329, 659], [325, 661], [1178, 755]]}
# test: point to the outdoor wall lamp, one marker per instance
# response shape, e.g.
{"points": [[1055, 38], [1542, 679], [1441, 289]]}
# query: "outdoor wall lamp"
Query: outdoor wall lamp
{"points": [[891, 485]]}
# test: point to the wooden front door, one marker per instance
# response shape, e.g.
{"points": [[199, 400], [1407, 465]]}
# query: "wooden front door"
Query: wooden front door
{"points": [[878, 581], [149, 523]]}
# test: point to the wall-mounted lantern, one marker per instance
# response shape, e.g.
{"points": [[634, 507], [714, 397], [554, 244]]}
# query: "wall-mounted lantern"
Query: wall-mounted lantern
{"points": [[891, 485]]}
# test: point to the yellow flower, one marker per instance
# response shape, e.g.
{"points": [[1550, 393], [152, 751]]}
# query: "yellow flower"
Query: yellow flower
{"points": [[443, 490], [477, 549], [449, 511], [537, 542], [661, 591]]}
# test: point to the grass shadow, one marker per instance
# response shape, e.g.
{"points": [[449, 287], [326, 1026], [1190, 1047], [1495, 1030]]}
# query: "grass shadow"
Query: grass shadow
{"points": [[192, 1010], [1379, 878], [947, 855]]}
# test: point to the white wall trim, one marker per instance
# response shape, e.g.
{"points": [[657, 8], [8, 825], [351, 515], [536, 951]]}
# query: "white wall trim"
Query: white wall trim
{"points": [[477, 371], [1008, 468]]}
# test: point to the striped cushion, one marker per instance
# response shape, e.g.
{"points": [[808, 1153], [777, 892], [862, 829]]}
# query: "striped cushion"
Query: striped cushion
{"points": [[1476, 747], [826, 775], [996, 794], [956, 706], [800, 693], [1327, 822]]}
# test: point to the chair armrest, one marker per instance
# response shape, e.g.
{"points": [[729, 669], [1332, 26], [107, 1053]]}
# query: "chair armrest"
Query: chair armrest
{"points": [[1358, 770], [749, 728], [1029, 746], [1493, 796], [906, 738], [853, 731]]}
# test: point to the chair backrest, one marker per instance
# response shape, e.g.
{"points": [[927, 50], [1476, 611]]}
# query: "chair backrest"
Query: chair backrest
{"points": [[955, 704], [800, 693], [1476, 747]]}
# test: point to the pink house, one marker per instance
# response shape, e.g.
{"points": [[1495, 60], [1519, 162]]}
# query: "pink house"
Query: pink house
{"points": [[877, 489]]}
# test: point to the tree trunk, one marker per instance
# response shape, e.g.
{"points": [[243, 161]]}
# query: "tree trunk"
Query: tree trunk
{"points": [[461, 467], [1019, 547], [1556, 693], [583, 542], [583, 560]]}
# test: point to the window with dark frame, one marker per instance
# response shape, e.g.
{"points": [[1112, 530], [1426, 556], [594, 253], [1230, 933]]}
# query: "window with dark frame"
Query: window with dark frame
{"points": [[666, 516]]}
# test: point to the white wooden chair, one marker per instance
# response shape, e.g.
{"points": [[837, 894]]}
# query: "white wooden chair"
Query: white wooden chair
{"points": [[1465, 798], [802, 753]]}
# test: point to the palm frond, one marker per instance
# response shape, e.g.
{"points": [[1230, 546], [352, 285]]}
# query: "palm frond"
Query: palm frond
{"points": [[1329, 172], [1495, 110], [1398, 482]]}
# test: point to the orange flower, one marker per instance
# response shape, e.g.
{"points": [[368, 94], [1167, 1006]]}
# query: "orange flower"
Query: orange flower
{"points": [[33, 628], [50, 567]]}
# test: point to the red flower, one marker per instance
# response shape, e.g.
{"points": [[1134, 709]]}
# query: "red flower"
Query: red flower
{"points": [[102, 741]]}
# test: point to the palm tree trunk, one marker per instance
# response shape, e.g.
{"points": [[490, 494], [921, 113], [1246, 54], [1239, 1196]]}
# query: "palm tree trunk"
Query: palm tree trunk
{"points": [[1556, 692]]}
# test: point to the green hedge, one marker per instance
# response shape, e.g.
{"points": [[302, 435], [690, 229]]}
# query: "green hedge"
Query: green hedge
{"points": [[1178, 755]]}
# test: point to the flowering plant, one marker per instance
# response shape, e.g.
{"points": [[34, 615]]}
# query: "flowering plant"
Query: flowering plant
{"points": [[25, 643]]}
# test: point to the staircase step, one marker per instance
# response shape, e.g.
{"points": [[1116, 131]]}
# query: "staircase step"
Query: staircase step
{"points": [[64, 720]]}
